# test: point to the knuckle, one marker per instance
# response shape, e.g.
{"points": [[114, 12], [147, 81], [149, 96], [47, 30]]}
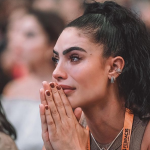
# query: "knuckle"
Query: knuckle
{"points": [[54, 91], [44, 102], [43, 119], [54, 111], [63, 94], [59, 104], [50, 123], [50, 99]]}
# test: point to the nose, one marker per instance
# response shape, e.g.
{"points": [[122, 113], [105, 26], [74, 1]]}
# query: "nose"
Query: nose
{"points": [[59, 73]]}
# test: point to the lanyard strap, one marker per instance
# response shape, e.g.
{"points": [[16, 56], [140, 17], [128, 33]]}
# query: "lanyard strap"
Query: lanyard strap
{"points": [[128, 121], [127, 130]]}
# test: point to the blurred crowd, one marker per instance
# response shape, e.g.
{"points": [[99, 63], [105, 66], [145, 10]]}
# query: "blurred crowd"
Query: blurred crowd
{"points": [[28, 32]]}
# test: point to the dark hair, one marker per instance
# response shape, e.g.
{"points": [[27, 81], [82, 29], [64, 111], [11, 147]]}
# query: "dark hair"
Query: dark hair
{"points": [[5, 126], [4, 77], [52, 24], [123, 34]]}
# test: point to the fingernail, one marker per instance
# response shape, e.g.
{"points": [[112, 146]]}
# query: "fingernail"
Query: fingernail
{"points": [[46, 107], [52, 85], [58, 87], [48, 93]]}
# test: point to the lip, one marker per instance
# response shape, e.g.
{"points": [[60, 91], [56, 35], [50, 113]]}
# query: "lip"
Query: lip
{"points": [[67, 89]]}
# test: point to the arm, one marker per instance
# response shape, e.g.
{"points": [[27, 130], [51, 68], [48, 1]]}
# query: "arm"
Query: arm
{"points": [[146, 138]]}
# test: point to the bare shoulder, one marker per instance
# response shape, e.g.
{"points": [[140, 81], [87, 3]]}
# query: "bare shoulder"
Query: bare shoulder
{"points": [[146, 138], [6, 142], [12, 87], [25, 87]]}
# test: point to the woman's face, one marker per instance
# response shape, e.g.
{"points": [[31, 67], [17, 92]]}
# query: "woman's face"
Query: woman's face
{"points": [[36, 42], [80, 68]]}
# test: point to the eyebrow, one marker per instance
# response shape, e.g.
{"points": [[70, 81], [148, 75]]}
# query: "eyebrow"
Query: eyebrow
{"points": [[69, 50], [56, 52], [72, 49]]}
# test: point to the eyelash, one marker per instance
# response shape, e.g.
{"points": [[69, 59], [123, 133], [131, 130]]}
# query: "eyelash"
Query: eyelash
{"points": [[55, 60], [72, 59]]}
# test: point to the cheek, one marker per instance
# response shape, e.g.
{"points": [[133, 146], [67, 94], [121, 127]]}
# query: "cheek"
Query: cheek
{"points": [[33, 47], [91, 83], [88, 76]]}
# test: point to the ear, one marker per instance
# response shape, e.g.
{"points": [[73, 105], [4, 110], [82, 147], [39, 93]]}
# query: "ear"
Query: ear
{"points": [[116, 67]]}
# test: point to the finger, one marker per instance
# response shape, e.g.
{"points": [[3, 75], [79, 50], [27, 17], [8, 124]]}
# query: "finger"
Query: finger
{"points": [[66, 104], [50, 121], [45, 134], [53, 109], [77, 113], [42, 97], [43, 118], [58, 101], [46, 86]]}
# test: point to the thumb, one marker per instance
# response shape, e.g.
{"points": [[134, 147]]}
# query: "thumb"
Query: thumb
{"points": [[77, 113]]}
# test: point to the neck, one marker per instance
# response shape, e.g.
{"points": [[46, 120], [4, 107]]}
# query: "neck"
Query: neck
{"points": [[106, 121], [43, 71]]}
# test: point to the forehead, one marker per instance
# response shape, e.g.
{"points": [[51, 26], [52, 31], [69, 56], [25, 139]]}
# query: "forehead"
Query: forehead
{"points": [[30, 22], [70, 37]]}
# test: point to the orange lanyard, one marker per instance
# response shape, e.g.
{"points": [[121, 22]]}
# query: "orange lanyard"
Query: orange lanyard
{"points": [[128, 121]]}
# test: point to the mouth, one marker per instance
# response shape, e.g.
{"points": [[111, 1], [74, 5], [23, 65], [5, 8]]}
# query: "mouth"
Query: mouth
{"points": [[68, 89]]}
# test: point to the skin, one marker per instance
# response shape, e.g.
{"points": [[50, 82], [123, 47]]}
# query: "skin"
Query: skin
{"points": [[99, 99]]}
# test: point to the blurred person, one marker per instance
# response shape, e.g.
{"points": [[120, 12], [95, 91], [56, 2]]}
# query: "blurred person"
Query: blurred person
{"points": [[7, 132], [39, 32], [71, 9], [46, 5], [145, 13], [13, 56], [6, 8], [142, 8]]}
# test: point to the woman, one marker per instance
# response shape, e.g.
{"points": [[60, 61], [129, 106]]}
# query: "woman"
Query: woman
{"points": [[102, 65], [35, 40]]}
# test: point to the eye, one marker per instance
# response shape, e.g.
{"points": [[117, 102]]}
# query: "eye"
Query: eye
{"points": [[30, 34], [55, 60], [74, 58]]}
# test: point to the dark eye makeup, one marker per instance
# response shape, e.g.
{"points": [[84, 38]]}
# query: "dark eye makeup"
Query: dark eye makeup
{"points": [[55, 60], [74, 58]]}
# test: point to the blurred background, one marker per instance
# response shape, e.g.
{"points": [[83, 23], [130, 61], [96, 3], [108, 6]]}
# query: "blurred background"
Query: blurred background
{"points": [[28, 32]]}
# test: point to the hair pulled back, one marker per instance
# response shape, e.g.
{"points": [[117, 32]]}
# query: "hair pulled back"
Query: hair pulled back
{"points": [[123, 34]]}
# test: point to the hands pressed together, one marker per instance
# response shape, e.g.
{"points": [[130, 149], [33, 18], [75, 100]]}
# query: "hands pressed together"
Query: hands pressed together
{"points": [[60, 128]]}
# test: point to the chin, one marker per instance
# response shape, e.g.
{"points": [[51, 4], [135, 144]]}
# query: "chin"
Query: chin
{"points": [[73, 102]]}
